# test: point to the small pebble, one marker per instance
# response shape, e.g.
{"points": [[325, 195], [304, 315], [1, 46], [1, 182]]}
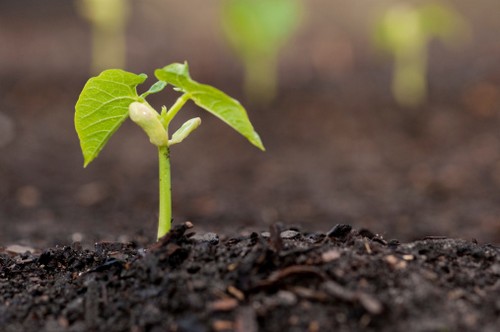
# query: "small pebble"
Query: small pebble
{"points": [[395, 262], [289, 234], [366, 233], [315, 237], [18, 249], [330, 255], [210, 238], [339, 231], [393, 244], [286, 298]]}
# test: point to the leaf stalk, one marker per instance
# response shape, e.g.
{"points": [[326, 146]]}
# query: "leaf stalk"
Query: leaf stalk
{"points": [[176, 107]]}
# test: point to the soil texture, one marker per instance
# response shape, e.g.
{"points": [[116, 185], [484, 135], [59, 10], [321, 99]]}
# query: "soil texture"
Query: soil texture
{"points": [[281, 280]]}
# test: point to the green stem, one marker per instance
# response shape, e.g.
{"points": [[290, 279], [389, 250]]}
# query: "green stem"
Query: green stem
{"points": [[165, 216], [261, 78], [176, 107]]}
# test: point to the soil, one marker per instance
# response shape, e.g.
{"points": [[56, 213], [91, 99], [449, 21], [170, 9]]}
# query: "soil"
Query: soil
{"points": [[281, 280]]}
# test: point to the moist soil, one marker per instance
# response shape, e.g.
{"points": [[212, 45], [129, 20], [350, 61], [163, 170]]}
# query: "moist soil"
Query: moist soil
{"points": [[283, 279]]}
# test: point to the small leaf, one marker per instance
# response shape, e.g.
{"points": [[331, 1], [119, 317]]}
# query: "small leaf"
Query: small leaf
{"points": [[187, 128], [211, 99], [155, 88], [102, 107]]}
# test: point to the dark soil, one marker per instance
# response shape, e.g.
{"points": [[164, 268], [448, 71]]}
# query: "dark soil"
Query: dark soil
{"points": [[281, 280]]}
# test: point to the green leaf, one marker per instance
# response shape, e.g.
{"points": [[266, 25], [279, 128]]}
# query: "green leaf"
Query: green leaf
{"points": [[102, 107], [155, 88], [187, 128], [211, 99]]}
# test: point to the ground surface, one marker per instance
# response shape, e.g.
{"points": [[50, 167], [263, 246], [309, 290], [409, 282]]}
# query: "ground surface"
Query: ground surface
{"points": [[281, 280]]}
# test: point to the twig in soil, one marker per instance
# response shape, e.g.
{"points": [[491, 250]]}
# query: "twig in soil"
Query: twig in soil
{"points": [[238, 294], [369, 303], [226, 304], [275, 240], [289, 271], [310, 294], [434, 237], [106, 265]]}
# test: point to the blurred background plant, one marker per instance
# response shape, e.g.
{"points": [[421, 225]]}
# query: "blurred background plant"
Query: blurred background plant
{"points": [[257, 30], [405, 30], [108, 19]]}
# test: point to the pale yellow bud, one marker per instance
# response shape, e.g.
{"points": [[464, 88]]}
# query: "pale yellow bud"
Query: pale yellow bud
{"points": [[148, 120]]}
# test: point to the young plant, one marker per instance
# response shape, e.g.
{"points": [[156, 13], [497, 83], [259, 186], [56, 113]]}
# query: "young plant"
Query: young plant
{"points": [[108, 20], [405, 31], [107, 100], [257, 30]]}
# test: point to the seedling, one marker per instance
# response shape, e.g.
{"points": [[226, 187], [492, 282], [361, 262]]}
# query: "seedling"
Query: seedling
{"points": [[107, 100], [405, 31], [107, 19], [257, 30]]}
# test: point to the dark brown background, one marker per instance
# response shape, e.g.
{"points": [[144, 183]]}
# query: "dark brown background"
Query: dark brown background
{"points": [[339, 150]]}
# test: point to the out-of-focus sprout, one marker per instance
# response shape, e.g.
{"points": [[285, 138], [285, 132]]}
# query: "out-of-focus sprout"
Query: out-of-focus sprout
{"points": [[405, 31], [108, 19], [257, 30]]}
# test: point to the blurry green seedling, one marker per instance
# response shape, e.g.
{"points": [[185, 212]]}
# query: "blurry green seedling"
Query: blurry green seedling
{"points": [[405, 31], [107, 100], [107, 19], [257, 30]]}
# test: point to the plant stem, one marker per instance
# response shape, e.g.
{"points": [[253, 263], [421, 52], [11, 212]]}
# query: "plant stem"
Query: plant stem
{"points": [[261, 78], [176, 107], [165, 216]]}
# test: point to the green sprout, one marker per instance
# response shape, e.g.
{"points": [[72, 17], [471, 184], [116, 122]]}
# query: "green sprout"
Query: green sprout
{"points": [[107, 19], [405, 31], [257, 30], [107, 100]]}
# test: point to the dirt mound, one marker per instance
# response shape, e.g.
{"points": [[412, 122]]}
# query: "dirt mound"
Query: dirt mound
{"points": [[281, 280]]}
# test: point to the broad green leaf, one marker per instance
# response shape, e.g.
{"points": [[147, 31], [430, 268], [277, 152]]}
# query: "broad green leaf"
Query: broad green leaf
{"points": [[211, 99], [187, 128], [102, 107]]}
